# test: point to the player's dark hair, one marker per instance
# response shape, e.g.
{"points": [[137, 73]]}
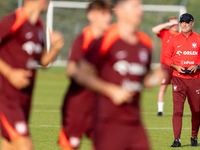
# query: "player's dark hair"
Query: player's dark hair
{"points": [[99, 5], [115, 2], [172, 17]]}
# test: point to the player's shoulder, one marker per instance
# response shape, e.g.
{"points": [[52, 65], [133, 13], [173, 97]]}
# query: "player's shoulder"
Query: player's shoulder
{"points": [[40, 22], [78, 40], [196, 34], [145, 39], [20, 17], [176, 36], [112, 32], [88, 37], [164, 30], [8, 17], [109, 38]]}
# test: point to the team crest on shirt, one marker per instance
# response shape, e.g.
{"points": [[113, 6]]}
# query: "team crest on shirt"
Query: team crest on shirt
{"points": [[121, 54], [21, 127], [175, 87], [29, 35], [143, 55], [198, 91], [194, 45], [41, 36]]}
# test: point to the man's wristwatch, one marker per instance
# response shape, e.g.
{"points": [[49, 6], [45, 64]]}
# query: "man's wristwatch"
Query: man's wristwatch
{"points": [[198, 67]]}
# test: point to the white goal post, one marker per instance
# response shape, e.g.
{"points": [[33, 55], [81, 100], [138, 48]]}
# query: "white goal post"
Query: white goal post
{"points": [[83, 5]]}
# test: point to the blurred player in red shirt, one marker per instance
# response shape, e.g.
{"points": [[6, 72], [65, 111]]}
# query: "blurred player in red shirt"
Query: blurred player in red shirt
{"points": [[21, 50], [116, 66], [184, 49], [165, 35], [78, 105]]}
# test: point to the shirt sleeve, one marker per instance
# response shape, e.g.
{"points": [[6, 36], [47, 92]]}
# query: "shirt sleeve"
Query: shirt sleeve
{"points": [[161, 33], [5, 26], [168, 53], [76, 52], [92, 55]]}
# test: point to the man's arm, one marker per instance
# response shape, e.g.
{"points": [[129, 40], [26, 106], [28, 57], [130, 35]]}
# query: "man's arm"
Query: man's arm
{"points": [[168, 57], [177, 68], [86, 76], [162, 26], [155, 78], [19, 78], [71, 69], [57, 42]]}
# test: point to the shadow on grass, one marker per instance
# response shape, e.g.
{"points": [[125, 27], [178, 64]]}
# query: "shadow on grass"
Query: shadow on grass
{"points": [[187, 115], [186, 145]]}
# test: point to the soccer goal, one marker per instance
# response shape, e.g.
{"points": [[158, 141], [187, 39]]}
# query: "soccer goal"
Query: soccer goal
{"points": [[70, 19]]}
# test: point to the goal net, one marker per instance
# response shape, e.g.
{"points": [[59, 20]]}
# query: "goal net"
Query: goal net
{"points": [[70, 18]]}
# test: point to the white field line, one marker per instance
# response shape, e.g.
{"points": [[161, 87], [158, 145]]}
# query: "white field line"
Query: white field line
{"points": [[46, 103], [45, 126], [148, 128], [145, 113], [164, 113], [47, 111]]}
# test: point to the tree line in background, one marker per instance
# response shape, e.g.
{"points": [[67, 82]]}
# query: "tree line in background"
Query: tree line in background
{"points": [[151, 19], [7, 6]]}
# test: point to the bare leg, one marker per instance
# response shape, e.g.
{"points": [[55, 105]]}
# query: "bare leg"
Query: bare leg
{"points": [[161, 97], [68, 149], [5, 144], [23, 143]]}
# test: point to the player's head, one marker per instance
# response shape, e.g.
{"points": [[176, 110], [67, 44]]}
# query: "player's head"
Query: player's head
{"points": [[42, 5], [186, 22], [175, 26], [99, 14], [129, 11]]}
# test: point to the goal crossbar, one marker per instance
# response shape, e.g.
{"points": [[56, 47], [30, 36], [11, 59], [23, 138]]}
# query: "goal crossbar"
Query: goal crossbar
{"points": [[83, 5]]}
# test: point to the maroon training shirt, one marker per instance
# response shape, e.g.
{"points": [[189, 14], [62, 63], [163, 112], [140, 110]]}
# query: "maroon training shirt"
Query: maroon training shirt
{"points": [[21, 47], [123, 64], [79, 47]]}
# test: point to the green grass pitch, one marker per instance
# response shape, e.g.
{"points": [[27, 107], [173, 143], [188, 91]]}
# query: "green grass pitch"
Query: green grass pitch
{"points": [[50, 87]]}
